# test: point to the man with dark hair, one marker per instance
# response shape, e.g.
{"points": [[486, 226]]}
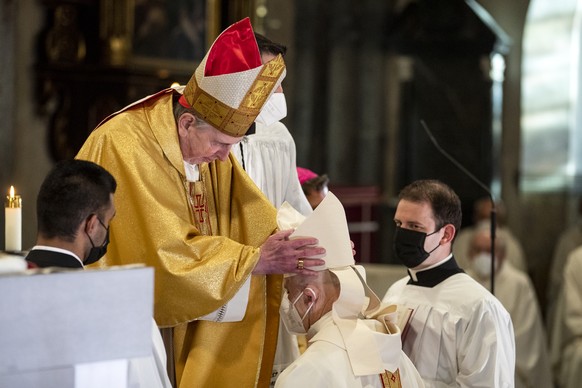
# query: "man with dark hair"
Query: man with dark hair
{"points": [[314, 186], [74, 208], [269, 155], [267, 46], [459, 334]]}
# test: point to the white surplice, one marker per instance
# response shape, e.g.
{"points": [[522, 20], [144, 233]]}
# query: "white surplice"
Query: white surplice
{"points": [[270, 160], [568, 331], [325, 363], [150, 372], [515, 291], [515, 254], [568, 241], [459, 336]]}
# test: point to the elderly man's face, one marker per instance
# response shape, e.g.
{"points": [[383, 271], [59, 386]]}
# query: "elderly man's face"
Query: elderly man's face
{"points": [[294, 289], [202, 143]]}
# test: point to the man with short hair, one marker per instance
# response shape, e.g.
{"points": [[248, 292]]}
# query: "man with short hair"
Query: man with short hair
{"points": [[74, 209], [314, 186], [188, 209], [459, 334]]}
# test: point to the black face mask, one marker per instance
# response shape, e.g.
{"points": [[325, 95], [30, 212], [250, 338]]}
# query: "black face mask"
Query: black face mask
{"points": [[409, 246], [97, 252]]}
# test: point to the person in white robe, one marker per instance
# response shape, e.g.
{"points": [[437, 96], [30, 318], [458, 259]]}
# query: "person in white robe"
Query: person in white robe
{"points": [[353, 340], [570, 239], [269, 158], [482, 219], [459, 335], [567, 335], [343, 350], [516, 292], [268, 155]]}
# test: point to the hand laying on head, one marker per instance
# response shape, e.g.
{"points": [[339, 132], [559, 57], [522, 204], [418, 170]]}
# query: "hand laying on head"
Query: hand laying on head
{"points": [[279, 255]]}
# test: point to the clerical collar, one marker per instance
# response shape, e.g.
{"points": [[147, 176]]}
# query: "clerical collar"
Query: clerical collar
{"points": [[192, 172], [435, 274]]}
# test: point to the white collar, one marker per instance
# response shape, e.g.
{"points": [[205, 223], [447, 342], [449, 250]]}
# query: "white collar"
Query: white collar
{"points": [[192, 172], [413, 272]]}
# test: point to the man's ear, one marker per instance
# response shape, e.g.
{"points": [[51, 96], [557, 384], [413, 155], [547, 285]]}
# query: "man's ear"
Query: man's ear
{"points": [[449, 233], [311, 293], [91, 222], [184, 122]]}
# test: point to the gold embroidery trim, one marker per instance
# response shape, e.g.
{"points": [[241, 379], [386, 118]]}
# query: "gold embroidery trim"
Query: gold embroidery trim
{"points": [[391, 380], [199, 206], [235, 122]]}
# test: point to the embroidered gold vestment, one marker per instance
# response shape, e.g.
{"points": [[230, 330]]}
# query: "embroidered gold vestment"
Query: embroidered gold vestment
{"points": [[195, 274]]}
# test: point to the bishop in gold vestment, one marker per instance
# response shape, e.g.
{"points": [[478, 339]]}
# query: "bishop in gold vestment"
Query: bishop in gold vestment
{"points": [[201, 238]]}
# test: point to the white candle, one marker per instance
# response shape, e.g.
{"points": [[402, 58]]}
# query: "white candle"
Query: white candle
{"points": [[13, 225]]}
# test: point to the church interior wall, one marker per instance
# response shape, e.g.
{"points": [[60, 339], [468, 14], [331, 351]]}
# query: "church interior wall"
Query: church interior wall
{"points": [[536, 219]]}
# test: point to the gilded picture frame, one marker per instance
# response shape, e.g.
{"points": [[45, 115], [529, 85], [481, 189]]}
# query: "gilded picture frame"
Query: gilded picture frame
{"points": [[161, 34]]}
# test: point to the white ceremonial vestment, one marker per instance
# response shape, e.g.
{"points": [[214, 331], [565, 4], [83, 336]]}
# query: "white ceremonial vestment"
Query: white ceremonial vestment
{"points": [[570, 334], [515, 291], [270, 160], [569, 240], [514, 255], [459, 335], [150, 372], [325, 363]]}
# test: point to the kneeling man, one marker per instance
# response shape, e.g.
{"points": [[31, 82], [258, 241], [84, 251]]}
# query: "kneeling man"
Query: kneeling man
{"points": [[352, 338]]}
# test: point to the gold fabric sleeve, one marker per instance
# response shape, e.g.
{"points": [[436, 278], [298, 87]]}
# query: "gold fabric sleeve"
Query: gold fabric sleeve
{"points": [[194, 274]]}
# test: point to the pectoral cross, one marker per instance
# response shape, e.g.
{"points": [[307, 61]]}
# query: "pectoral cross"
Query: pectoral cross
{"points": [[200, 207], [200, 210]]}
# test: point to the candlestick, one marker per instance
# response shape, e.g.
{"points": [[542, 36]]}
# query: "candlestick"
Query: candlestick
{"points": [[13, 225]]}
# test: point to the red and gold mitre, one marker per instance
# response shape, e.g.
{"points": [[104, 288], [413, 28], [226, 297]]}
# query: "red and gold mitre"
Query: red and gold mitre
{"points": [[231, 85]]}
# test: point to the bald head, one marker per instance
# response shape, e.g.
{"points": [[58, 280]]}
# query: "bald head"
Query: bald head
{"points": [[313, 296]]}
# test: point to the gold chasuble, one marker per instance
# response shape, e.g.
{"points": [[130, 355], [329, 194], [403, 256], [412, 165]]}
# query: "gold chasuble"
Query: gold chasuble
{"points": [[199, 265]]}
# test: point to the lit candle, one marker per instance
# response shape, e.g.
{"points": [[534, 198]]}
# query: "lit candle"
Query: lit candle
{"points": [[13, 226]]}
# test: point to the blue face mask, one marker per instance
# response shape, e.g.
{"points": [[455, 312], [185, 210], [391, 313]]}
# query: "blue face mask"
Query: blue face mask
{"points": [[409, 246], [97, 252]]}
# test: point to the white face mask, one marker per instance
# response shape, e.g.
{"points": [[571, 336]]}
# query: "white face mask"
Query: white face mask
{"points": [[290, 316], [275, 109], [482, 264]]}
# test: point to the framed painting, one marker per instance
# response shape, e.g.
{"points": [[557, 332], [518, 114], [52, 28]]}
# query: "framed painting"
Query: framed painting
{"points": [[170, 34]]}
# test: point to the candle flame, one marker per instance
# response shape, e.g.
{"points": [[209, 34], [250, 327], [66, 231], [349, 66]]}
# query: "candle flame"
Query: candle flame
{"points": [[11, 192]]}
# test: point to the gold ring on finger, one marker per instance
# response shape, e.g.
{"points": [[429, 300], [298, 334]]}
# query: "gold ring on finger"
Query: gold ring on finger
{"points": [[300, 264]]}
